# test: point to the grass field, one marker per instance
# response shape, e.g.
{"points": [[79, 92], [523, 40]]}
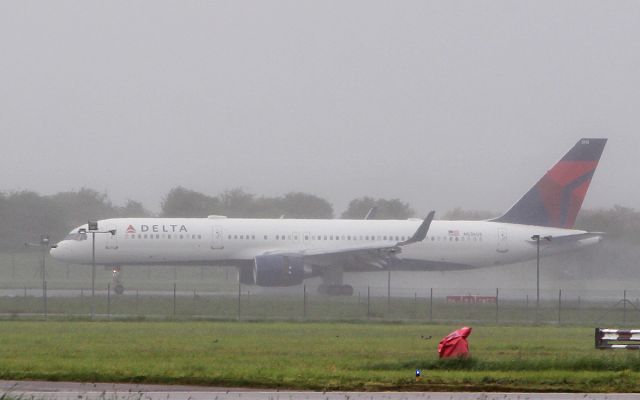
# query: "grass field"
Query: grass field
{"points": [[323, 356]]}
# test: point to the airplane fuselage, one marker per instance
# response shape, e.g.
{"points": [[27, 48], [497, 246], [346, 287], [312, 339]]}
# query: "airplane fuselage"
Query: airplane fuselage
{"points": [[235, 241]]}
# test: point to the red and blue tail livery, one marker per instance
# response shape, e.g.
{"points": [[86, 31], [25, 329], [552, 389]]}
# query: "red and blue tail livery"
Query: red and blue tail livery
{"points": [[556, 199]]}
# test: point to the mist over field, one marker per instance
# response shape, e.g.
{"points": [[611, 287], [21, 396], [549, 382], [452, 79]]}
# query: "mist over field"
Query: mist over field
{"points": [[318, 110]]}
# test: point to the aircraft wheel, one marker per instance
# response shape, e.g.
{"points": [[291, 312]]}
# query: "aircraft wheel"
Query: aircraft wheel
{"points": [[346, 290], [119, 289]]}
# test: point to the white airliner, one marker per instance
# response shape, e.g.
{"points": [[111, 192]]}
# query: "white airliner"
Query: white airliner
{"points": [[284, 252]]}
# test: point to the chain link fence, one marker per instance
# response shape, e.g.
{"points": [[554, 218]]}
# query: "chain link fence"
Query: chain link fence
{"points": [[214, 293]]}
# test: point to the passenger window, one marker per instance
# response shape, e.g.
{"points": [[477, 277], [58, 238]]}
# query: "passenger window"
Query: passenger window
{"points": [[266, 237]]}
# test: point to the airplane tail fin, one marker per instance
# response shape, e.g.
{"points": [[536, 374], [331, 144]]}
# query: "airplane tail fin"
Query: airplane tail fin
{"points": [[557, 197]]}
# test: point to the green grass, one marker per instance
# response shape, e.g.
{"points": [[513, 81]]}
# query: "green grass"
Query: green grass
{"points": [[322, 356]]}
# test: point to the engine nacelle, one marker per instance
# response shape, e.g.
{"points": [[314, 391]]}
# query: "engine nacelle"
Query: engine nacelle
{"points": [[275, 270]]}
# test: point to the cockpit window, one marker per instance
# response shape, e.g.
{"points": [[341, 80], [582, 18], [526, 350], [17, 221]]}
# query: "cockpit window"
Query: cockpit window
{"points": [[76, 236]]}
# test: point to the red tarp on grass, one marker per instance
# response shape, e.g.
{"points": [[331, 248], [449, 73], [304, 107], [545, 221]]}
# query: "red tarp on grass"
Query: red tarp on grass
{"points": [[455, 344]]}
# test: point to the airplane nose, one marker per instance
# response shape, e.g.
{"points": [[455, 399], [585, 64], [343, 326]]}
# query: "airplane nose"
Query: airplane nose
{"points": [[60, 252]]}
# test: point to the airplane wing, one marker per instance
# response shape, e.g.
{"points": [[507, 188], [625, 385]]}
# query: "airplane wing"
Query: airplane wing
{"points": [[372, 253]]}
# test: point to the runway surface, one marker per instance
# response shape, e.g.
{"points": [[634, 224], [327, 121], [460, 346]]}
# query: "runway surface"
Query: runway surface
{"points": [[25, 390]]}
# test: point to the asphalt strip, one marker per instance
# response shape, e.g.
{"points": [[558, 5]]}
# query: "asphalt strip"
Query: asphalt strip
{"points": [[41, 390]]}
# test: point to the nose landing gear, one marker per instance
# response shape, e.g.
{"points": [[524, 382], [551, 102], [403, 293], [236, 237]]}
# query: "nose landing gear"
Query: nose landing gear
{"points": [[116, 280]]}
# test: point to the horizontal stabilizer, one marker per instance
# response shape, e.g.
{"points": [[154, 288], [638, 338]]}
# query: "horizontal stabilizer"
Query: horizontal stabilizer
{"points": [[556, 240]]}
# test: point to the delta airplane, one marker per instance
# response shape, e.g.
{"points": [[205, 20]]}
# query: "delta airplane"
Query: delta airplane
{"points": [[284, 252]]}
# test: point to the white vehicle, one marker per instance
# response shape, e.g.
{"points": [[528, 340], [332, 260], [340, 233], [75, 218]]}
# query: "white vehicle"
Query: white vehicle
{"points": [[284, 252]]}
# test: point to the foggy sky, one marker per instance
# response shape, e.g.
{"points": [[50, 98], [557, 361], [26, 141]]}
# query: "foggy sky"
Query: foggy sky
{"points": [[440, 104]]}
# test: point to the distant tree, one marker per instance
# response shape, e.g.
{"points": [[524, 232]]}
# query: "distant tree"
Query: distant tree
{"points": [[238, 203], [26, 215], [458, 214], [181, 202], [304, 205], [79, 207], [620, 223], [385, 209], [133, 209]]}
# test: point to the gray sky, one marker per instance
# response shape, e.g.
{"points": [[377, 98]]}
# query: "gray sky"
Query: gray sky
{"points": [[441, 104]]}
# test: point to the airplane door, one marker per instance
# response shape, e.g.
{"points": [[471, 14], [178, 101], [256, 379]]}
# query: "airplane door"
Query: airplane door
{"points": [[216, 238], [503, 244], [112, 240]]}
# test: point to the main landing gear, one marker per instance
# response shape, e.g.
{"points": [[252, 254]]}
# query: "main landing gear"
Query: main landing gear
{"points": [[332, 283]]}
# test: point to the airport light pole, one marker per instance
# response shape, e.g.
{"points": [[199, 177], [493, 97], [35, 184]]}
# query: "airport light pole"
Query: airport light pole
{"points": [[44, 246], [537, 239], [92, 227]]}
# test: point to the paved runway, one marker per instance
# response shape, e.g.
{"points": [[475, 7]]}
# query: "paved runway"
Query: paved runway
{"points": [[111, 391]]}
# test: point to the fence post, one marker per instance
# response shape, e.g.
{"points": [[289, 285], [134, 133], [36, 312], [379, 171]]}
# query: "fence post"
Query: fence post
{"points": [[304, 301], [415, 305], [44, 294], [559, 306], [579, 310], [108, 300], [368, 302], [624, 307], [174, 299], [138, 301], [431, 305], [497, 305], [389, 292], [239, 297]]}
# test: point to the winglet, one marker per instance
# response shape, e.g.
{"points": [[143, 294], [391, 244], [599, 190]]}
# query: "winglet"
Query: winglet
{"points": [[421, 233], [372, 213]]}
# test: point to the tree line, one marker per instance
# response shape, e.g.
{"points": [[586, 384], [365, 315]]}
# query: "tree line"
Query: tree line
{"points": [[25, 215]]}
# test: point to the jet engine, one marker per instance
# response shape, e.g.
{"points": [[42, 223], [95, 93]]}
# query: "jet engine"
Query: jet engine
{"points": [[277, 270]]}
